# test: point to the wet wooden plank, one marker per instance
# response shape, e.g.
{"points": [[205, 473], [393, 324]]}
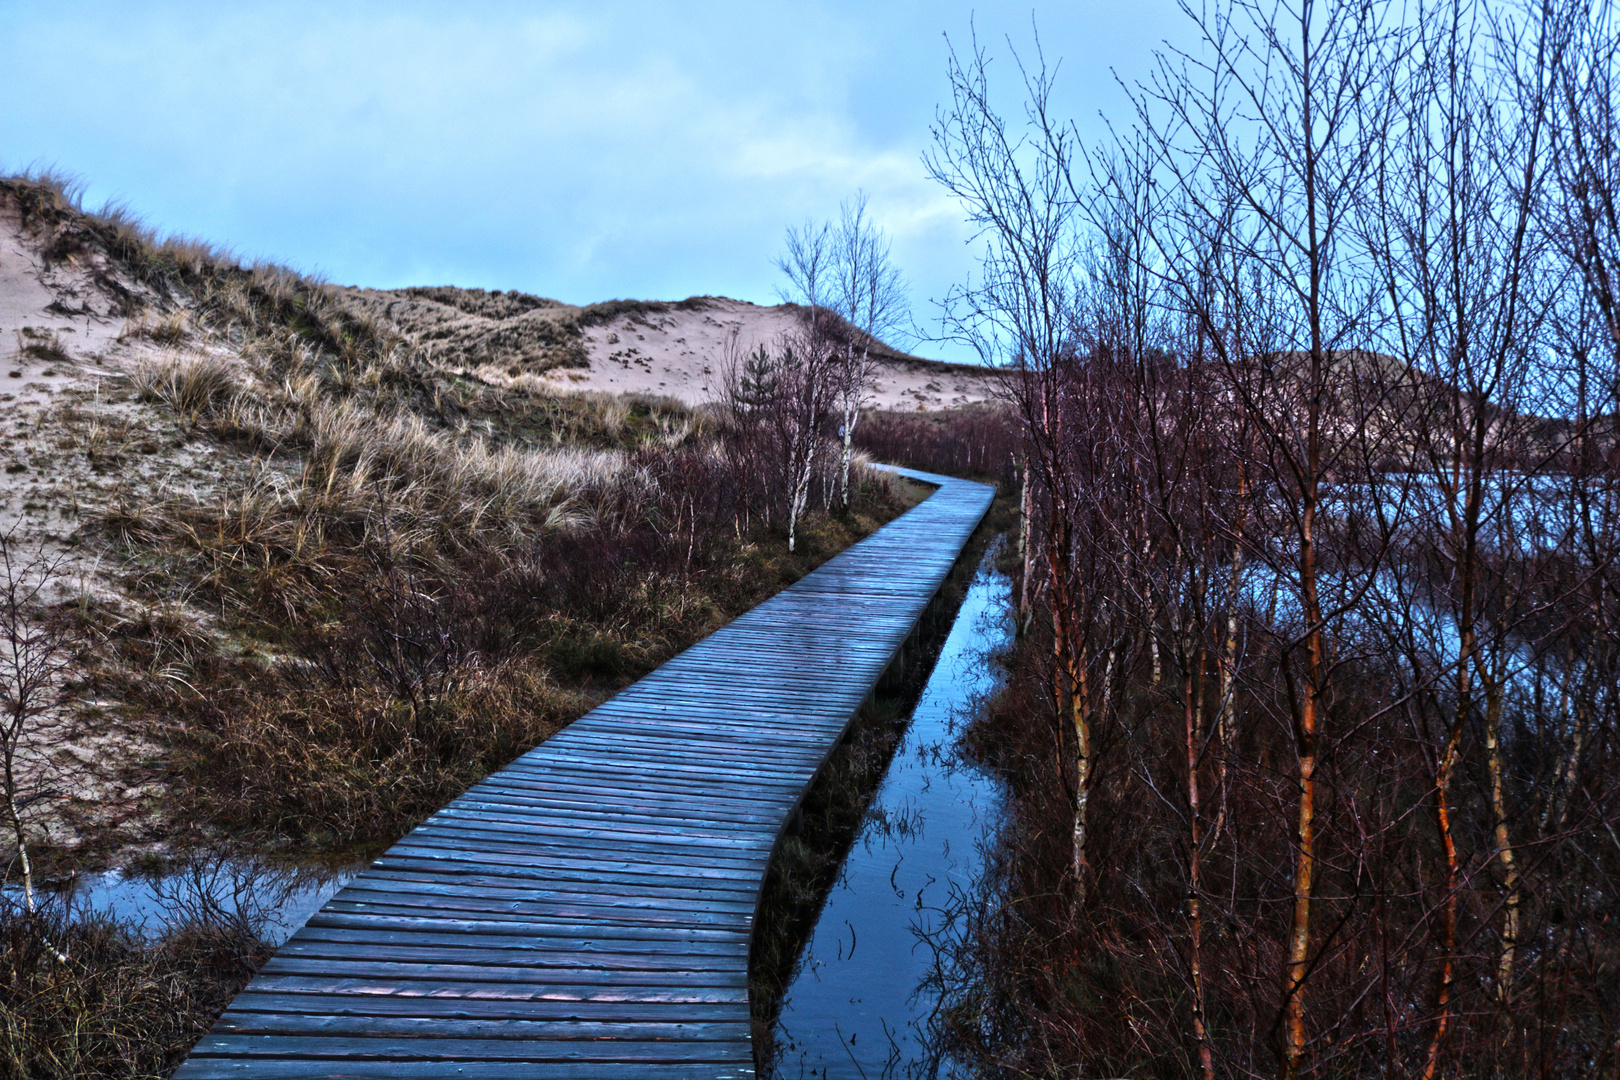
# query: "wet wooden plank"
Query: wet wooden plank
{"points": [[569, 954], [551, 863], [585, 988], [455, 1049], [693, 831], [650, 811], [570, 782], [641, 848], [575, 938], [273, 1008], [400, 973], [291, 1067], [668, 778], [585, 912], [303, 1022], [406, 919], [536, 893], [588, 909], [664, 765]]}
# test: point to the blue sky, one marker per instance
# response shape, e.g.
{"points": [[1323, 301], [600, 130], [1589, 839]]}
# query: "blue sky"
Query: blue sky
{"points": [[582, 151]]}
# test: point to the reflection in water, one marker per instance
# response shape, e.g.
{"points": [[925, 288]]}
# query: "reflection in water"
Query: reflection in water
{"points": [[857, 1006], [269, 900]]}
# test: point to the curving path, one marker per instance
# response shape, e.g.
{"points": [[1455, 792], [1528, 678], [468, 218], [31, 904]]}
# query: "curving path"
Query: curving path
{"points": [[586, 911]]}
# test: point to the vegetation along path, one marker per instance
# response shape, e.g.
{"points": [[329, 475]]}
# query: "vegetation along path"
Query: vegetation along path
{"points": [[586, 911]]}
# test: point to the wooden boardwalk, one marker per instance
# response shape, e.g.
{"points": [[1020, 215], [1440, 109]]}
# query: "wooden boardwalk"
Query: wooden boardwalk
{"points": [[586, 911]]}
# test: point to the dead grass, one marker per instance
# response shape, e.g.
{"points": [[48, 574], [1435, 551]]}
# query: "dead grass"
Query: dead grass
{"points": [[511, 332], [377, 674], [191, 386], [316, 753], [120, 1006], [171, 328], [975, 441], [546, 549]]}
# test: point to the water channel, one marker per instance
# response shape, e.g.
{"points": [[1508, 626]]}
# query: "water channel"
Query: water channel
{"points": [[858, 1006]]}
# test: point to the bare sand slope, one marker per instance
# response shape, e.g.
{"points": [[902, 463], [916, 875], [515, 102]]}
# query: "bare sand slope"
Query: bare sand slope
{"points": [[680, 351], [675, 349], [74, 438]]}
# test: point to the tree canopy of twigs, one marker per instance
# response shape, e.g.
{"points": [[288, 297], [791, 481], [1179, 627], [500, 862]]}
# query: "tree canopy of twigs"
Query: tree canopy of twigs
{"points": [[1316, 370], [869, 295]]}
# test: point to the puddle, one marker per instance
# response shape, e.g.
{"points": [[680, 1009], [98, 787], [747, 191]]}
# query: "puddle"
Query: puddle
{"points": [[273, 900]]}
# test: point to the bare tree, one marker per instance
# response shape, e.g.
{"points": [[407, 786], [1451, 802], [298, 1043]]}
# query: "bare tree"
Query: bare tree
{"points": [[746, 389], [777, 401], [809, 264], [1268, 134], [806, 375], [806, 387], [869, 294], [1585, 218], [35, 652], [1324, 505], [1016, 187], [1467, 295]]}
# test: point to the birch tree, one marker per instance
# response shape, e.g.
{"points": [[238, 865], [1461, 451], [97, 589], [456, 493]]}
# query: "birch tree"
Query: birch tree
{"points": [[1014, 181], [869, 295], [806, 377], [804, 388], [1268, 133], [1325, 519]]}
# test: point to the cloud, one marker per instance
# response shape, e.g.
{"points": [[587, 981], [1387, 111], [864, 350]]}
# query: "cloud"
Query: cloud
{"points": [[581, 150]]}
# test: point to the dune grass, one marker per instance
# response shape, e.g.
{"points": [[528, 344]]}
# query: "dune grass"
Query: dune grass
{"points": [[377, 672], [407, 604]]}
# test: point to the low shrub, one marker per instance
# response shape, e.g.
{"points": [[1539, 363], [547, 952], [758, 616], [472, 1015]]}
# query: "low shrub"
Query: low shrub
{"points": [[976, 442], [120, 1005]]}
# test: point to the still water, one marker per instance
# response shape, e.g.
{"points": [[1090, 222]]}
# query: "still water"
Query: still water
{"points": [[269, 899], [859, 1006]]}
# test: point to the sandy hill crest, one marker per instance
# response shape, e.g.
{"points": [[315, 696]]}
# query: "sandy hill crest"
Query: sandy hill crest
{"points": [[673, 349]]}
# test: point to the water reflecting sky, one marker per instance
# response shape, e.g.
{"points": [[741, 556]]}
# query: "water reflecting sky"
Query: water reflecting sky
{"points": [[855, 1007], [271, 899]]}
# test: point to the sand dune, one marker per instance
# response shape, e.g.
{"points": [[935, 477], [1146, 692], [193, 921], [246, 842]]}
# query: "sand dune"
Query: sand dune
{"points": [[678, 352], [675, 349]]}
